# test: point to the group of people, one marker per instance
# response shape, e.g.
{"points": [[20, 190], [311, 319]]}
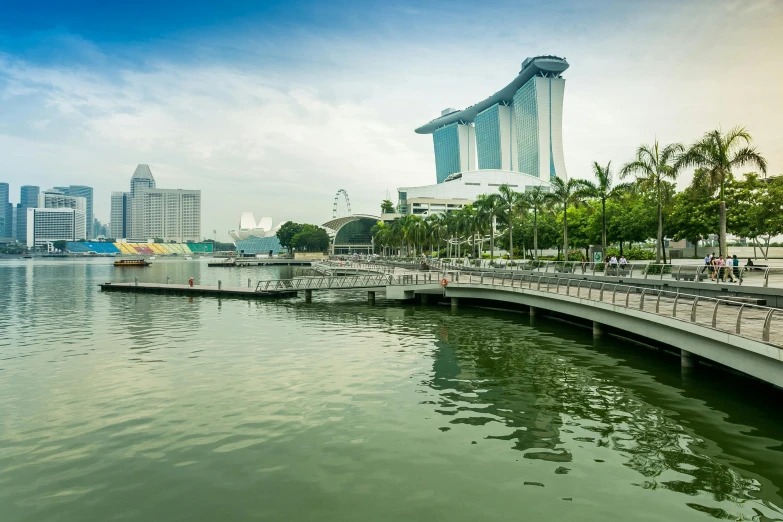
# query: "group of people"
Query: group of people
{"points": [[613, 262], [723, 269]]}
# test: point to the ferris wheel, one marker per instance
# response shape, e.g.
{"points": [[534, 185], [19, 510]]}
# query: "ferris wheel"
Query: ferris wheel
{"points": [[337, 199]]}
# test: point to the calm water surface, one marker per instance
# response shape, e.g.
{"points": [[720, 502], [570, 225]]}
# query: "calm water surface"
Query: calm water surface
{"points": [[125, 407]]}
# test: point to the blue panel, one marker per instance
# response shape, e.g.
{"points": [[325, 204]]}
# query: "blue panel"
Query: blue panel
{"points": [[488, 139], [526, 121], [260, 245], [446, 141]]}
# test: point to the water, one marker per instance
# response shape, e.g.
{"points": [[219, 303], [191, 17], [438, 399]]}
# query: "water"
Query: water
{"points": [[142, 407]]}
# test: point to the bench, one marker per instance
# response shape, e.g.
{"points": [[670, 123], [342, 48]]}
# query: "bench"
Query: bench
{"points": [[617, 271], [565, 269]]}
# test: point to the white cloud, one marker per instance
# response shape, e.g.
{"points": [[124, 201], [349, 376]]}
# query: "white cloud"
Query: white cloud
{"points": [[279, 137]]}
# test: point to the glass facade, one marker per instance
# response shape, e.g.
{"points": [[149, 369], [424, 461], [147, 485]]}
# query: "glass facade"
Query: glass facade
{"points": [[488, 139], [357, 232], [6, 212], [28, 198], [526, 121], [446, 140], [260, 245], [85, 192]]}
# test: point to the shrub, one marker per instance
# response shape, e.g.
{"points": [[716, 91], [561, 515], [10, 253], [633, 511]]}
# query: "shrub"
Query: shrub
{"points": [[635, 253]]}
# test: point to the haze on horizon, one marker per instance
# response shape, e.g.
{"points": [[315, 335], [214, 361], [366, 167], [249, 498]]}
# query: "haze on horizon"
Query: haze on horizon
{"points": [[273, 108]]}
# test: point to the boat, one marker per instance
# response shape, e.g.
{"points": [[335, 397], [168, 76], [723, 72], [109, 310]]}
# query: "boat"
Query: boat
{"points": [[188, 258], [132, 262], [152, 258]]}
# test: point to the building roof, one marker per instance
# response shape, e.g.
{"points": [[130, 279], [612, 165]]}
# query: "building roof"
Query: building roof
{"points": [[530, 67], [142, 172], [338, 223]]}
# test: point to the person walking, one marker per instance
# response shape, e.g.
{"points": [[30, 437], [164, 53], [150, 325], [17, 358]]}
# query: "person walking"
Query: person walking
{"points": [[735, 264], [713, 267], [728, 271]]}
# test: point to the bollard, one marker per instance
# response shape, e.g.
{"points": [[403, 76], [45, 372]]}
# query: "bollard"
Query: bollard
{"points": [[220, 285], [167, 279], [371, 297], [136, 281], [248, 282], [308, 296]]}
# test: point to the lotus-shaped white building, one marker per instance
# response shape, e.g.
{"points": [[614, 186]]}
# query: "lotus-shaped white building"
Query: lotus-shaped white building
{"points": [[248, 228]]}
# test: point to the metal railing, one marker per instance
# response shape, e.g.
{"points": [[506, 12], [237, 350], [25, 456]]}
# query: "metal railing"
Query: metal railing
{"points": [[731, 315], [346, 282], [741, 275]]}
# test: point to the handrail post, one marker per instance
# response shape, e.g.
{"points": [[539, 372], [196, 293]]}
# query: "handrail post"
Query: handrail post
{"points": [[662, 267], [646, 270], [658, 303], [674, 309], [715, 313], [766, 284], [614, 293], [739, 319], [693, 309], [767, 323], [601, 295], [641, 301], [627, 296]]}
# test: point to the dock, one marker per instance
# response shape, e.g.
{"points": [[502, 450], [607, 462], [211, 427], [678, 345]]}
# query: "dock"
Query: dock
{"points": [[232, 263], [198, 290]]}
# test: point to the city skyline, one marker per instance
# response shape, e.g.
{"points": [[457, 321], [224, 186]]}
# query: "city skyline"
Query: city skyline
{"points": [[327, 97]]}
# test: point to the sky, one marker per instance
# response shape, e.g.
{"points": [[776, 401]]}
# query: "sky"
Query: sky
{"points": [[272, 107]]}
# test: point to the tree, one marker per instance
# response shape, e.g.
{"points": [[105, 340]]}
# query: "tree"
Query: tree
{"points": [[60, 245], [757, 211], [285, 234], [603, 190], [565, 194], [652, 167], [387, 207], [717, 155], [488, 206], [310, 238], [508, 200], [535, 200], [694, 214]]}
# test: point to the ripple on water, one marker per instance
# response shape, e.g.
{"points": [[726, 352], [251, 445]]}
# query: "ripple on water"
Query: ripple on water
{"points": [[153, 407]]}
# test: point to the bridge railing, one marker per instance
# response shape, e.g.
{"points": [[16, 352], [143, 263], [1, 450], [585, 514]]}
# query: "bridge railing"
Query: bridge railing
{"points": [[346, 282], [757, 275], [731, 315]]}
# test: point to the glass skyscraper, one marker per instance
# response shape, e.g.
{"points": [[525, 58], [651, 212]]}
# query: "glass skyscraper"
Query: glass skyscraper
{"points": [[86, 193], [518, 129], [6, 212], [28, 198]]}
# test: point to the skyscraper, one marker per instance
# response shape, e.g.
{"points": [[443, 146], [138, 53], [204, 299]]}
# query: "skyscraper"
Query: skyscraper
{"points": [[28, 198], [518, 129], [148, 212], [6, 212], [86, 193]]}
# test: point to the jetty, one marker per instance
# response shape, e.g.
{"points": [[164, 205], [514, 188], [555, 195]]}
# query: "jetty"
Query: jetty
{"points": [[251, 261]]}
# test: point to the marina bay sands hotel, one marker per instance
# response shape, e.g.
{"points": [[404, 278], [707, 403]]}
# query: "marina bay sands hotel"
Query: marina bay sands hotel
{"points": [[513, 137]]}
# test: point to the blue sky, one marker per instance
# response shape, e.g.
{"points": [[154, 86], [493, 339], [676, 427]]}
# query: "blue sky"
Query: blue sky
{"points": [[273, 106]]}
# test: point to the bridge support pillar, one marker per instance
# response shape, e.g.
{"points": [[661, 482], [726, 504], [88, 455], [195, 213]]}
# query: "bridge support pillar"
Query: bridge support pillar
{"points": [[371, 297], [423, 298], [688, 359], [308, 296], [533, 312], [598, 330], [454, 302]]}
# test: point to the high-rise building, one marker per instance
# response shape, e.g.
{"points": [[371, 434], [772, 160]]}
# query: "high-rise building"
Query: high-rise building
{"points": [[28, 198], [86, 193], [54, 199], [512, 138], [47, 225], [6, 212], [147, 212], [118, 227], [519, 128]]}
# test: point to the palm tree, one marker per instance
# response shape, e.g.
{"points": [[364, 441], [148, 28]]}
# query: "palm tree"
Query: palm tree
{"points": [[603, 190], [566, 194], [488, 206], [509, 199], [652, 167], [535, 200], [716, 155]]}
